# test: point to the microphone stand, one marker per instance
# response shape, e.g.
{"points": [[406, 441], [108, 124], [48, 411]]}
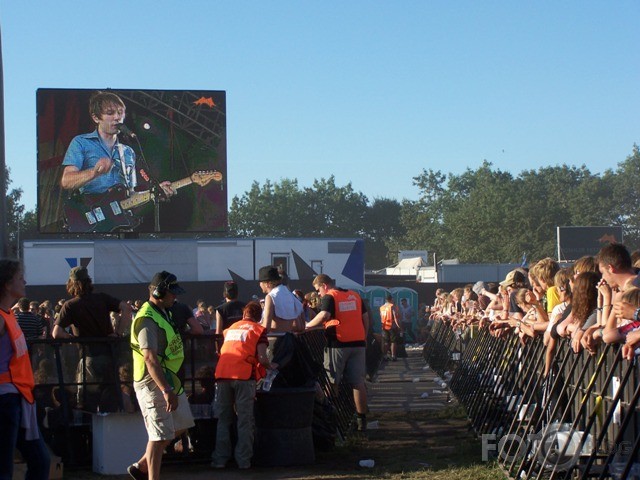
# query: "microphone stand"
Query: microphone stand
{"points": [[157, 193]]}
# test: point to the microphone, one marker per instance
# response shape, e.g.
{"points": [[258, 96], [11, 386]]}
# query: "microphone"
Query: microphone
{"points": [[122, 128]]}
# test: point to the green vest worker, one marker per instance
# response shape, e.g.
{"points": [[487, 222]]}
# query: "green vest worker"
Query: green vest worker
{"points": [[157, 356]]}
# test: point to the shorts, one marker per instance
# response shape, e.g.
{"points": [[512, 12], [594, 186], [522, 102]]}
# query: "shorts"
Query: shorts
{"points": [[348, 362], [160, 424], [391, 336]]}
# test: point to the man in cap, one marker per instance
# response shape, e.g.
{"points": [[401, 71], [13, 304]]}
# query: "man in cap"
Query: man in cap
{"points": [[157, 356], [346, 322], [87, 313], [514, 280]]}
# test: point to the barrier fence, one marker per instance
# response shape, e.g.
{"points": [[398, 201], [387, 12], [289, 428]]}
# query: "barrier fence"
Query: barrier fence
{"points": [[579, 421], [76, 379]]}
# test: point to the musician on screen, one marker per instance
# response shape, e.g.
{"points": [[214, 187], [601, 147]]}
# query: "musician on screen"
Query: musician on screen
{"points": [[96, 162]]}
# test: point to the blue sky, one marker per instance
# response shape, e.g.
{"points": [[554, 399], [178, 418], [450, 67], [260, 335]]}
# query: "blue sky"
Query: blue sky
{"points": [[370, 91]]}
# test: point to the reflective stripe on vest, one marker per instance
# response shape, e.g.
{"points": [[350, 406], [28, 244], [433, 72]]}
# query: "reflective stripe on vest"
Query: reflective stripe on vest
{"points": [[20, 373], [238, 353], [173, 356], [348, 311]]}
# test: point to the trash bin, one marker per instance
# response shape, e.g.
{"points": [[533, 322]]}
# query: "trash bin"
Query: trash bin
{"points": [[283, 419]]}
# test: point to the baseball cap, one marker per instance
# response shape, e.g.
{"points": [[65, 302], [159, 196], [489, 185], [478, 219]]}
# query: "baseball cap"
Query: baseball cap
{"points": [[514, 276], [169, 280]]}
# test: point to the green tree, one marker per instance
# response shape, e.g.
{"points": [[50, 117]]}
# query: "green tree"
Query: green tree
{"points": [[487, 215], [423, 220], [625, 204], [267, 210], [335, 211], [21, 223], [383, 229]]}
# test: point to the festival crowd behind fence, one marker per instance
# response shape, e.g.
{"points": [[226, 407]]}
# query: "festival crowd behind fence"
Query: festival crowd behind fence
{"points": [[545, 364], [67, 398]]}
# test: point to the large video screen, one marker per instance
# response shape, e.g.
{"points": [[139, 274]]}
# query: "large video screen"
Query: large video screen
{"points": [[140, 161]]}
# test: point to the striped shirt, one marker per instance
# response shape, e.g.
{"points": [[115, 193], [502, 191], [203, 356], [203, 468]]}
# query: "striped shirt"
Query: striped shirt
{"points": [[32, 325]]}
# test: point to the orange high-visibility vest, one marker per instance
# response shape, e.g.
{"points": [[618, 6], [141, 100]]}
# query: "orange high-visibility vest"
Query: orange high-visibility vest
{"points": [[386, 315], [238, 359], [20, 372], [348, 313]]}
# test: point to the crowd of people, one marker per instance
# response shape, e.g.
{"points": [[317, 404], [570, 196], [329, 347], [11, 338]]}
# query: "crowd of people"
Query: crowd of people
{"points": [[152, 379], [592, 302]]}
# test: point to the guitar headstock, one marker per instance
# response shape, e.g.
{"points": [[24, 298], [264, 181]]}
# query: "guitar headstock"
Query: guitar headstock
{"points": [[203, 177]]}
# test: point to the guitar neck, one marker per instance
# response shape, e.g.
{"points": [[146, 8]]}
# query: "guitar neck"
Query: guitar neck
{"points": [[140, 198]]}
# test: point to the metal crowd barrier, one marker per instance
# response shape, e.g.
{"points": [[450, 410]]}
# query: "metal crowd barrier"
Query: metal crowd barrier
{"points": [[67, 395], [581, 421]]}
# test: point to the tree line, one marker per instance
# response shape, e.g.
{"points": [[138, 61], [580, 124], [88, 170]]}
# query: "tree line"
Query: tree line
{"points": [[483, 215]]}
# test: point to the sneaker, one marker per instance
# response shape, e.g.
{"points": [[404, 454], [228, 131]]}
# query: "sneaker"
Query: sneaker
{"points": [[134, 471], [218, 465], [394, 359], [244, 467]]}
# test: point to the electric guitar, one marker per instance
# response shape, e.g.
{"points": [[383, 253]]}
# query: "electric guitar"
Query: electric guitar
{"points": [[110, 211]]}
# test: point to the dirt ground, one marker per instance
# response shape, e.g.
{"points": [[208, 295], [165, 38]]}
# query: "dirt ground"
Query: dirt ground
{"points": [[421, 433], [410, 445]]}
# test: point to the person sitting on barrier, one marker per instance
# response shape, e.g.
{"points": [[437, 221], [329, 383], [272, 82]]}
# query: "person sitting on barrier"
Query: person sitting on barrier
{"points": [[346, 322], [158, 354], [243, 352], [390, 329], [283, 312], [18, 421]]}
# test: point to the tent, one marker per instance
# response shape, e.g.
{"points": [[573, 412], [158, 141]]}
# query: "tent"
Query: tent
{"points": [[407, 266]]}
